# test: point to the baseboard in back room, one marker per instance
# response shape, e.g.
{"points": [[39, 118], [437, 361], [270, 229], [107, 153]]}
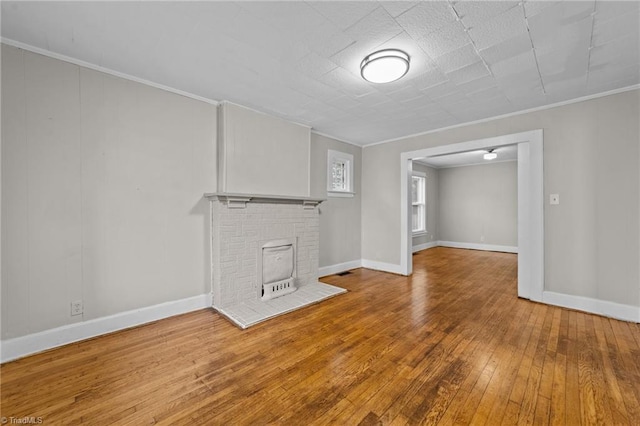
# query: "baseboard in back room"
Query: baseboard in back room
{"points": [[420, 247], [475, 246], [18, 347]]}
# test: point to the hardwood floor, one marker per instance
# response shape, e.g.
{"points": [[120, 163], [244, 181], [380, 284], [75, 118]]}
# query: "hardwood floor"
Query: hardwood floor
{"points": [[450, 345]]}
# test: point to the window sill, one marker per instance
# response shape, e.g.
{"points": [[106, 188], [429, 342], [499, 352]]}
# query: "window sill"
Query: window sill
{"points": [[340, 194], [419, 233]]}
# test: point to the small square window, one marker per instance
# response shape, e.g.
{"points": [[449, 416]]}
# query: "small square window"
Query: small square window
{"points": [[339, 174]]}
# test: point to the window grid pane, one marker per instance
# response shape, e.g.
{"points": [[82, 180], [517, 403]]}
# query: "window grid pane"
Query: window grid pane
{"points": [[418, 213], [338, 176]]}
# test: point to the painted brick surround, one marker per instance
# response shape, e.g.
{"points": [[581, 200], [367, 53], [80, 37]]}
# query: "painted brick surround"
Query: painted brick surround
{"points": [[239, 228]]}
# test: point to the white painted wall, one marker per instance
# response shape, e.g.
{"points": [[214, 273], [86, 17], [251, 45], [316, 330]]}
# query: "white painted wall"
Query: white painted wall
{"points": [[102, 183], [261, 154], [591, 158], [479, 204], [340, 224]]}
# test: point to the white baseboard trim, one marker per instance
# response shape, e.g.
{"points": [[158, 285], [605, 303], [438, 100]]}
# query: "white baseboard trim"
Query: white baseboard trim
{"points": [[419, 247], [474, 246], [594, 306], [339, 267], [19, 347], [381, 266]]}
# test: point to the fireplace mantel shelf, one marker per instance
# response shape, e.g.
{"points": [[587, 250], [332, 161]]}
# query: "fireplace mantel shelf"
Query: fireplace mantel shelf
{"points": [[240, 200]]}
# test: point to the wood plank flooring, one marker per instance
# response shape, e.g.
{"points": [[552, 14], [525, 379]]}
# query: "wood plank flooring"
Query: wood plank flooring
{"points": [[450, 345]]}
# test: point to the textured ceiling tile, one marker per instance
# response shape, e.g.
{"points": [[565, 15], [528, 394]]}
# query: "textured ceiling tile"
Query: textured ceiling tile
{"points": [[416, 102], [373, 98], [528, 78], [474, 13], [403, 94], [548, 22], [615, 28], [516, 64], [314, 65], [452, 98], [327, 40], [548, 35], [428, 79], [428, 108], [344, 13], [504, 26], [486, 93], [426, 18], [610, 9], [278, 14], [468, 73], [459, 107], [563, 64], [396, 8], [343, 80], [506, 49], [314, 88], [566, 11], [347, 103], [478, 84], [441, 119], [528, 101], [457, 59], [620, 52], [252, 31], [447, 39], [377, 27], [288, 103], [527, 86], [533, 7], [559, 90], [440, 90], [605, 78]]}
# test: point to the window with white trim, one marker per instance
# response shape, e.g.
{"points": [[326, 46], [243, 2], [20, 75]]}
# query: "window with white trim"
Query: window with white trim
{"points": [[419, 203], [339, 174]]}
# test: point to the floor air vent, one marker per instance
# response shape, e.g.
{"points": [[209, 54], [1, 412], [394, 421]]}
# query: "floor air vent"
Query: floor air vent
{"points": [[342, 274]]}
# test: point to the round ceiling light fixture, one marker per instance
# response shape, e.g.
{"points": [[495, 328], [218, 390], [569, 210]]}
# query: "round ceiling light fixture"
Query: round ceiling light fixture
{"points": [[490, 155], [385, 66]]}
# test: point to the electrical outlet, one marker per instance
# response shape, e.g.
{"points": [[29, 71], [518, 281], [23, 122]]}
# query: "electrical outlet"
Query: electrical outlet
{"points": [[76, 308], [482, 238]]}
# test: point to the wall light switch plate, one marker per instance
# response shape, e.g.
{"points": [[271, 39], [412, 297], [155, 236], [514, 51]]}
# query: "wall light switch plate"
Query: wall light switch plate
{"points": [[554, 199]]}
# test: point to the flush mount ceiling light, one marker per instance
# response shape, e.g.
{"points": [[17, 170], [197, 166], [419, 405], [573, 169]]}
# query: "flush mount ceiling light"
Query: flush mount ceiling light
{"points": [[490, 155], [385, 66]]}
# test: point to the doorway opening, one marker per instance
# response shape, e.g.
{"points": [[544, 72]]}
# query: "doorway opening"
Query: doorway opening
{"points": [[530, 204]]}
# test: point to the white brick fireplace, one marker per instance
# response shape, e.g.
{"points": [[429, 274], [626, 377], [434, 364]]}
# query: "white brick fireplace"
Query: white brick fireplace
{"points": [[242, 225]]}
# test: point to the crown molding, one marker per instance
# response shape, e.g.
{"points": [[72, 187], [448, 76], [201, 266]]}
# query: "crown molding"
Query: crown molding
{"points": [[335, 138], [512, 114], [109, 71]]}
